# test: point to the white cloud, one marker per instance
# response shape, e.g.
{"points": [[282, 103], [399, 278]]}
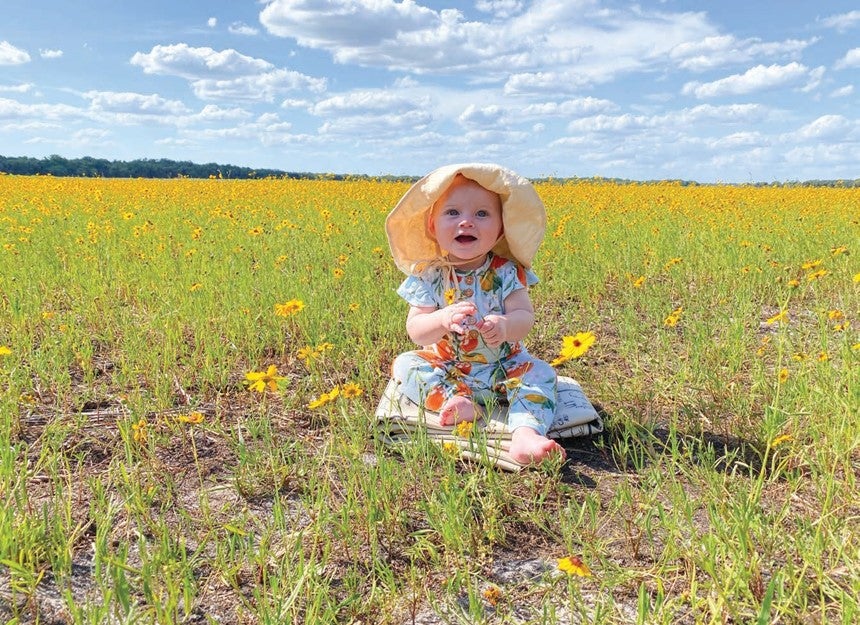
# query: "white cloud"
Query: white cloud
{"points": [[10, 55], [196, 63], [240, 28], [500, 8], [843, 21], [50, 54], [481, 115], [576, 107], [565, 43], [226, 74], [22, 88], [850, 60], [375, 125], [758, 78], [842, 91], [14, 110], [212, 22], [721, 50], [825, 127], [134, 103], [366, 101], [260, 87]]}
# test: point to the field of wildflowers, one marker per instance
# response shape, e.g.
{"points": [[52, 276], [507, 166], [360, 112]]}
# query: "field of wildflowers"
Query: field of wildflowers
{"points": [[189, 368]]}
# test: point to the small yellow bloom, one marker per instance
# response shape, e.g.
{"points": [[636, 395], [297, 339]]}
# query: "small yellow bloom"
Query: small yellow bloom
{"points": [[192, 417], [288, 308], [354, 306], [139, 431], [856, 278], [836, 251], [573, 565], [816, 275], [638, 282], [450, 296], [672, 261], [351, 390], [451, 448], [783, 375], [4, 350], [574, 347], [464, 429], [672, 319], [261, 380], [325, 398], [195, 287], [493, 595], [779, 440], [811, 264], [780, 317], [835, 315], [338, 273], [794, 283]]}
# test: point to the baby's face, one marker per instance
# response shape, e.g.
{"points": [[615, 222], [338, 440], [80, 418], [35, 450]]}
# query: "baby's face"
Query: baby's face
{"points": [[467, 222]]}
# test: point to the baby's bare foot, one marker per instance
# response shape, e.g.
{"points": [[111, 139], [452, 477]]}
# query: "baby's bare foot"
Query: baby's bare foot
{"points": [[529, 447], [457, 409]]}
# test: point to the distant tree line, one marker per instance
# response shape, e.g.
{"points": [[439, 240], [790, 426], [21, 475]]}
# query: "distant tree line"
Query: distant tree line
{"points": [[89, 167], [140, 168]]}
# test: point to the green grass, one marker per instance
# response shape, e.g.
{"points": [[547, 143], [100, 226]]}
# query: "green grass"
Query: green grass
{"points": [[723, 490]]}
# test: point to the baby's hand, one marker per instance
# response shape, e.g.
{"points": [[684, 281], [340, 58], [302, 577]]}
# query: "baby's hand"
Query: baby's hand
{"points": [[459, 317], [494, 329]]}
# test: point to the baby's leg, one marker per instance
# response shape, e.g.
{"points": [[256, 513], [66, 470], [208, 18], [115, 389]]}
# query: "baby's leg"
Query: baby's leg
{"points": [[531, 391], [456, 409], [425, 380], [528, 446]]}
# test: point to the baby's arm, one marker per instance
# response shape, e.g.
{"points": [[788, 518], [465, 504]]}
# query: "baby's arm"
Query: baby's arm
{"points": [[514, 325], [427, 325]]}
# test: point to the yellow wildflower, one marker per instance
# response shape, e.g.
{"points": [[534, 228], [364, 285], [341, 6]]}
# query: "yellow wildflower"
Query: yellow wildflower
{"points": [[574, 347], [816, 275], [288, 308], [780, 317], [638, 282], [4, 350], [192, 417], [835, 315], [672, 319], [139, 431], [464, 429], [779, 440], [325, 398], [573, 565], [338, 273], [492, 594], [351, 390], [783, 375], [823, 356], [450, 296], [811, 264], [261, 380], [450, 448]]}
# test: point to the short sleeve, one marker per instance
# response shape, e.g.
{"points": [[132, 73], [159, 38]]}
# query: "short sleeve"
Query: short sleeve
{"points": [[418, 292], [516, 277]]}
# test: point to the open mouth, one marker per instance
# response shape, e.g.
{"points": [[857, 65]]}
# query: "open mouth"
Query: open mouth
{"points": [[465, 238]]}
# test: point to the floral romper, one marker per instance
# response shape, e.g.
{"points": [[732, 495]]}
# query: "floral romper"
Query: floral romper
{"points": [[464, 364]]}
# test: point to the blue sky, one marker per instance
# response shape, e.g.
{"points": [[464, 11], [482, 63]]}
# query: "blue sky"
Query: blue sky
{"points": [[709, 91]]}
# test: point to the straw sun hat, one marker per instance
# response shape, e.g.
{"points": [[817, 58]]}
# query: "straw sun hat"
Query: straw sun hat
{"points": [[523, 216]]}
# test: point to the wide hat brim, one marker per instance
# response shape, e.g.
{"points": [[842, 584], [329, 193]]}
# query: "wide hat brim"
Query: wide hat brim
{"points": [[523, 215]]}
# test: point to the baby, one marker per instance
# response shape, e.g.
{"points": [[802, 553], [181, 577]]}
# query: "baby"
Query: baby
{"points": [[465, 235]]}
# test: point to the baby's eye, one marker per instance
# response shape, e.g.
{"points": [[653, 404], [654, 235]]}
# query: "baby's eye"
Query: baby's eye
{"points": [[483, 213], [453, 212]]}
